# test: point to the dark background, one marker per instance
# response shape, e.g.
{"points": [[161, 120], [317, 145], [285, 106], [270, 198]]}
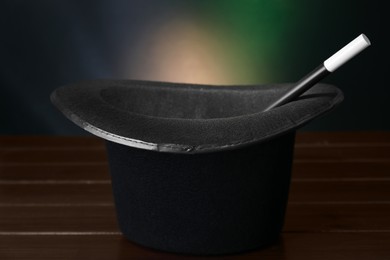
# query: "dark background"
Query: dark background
{"points": [[46, 44]]}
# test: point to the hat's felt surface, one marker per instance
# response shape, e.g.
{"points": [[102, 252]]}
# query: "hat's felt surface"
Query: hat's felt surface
{"points": [[184, 199], [223, 202], [188, 118]]}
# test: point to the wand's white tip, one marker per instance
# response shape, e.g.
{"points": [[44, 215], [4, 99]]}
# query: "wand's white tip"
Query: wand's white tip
{"points": [[347, 52], [365, 38]]}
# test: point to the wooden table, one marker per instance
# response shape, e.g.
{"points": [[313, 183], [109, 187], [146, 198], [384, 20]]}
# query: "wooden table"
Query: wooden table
{"points": [[56, 202]]}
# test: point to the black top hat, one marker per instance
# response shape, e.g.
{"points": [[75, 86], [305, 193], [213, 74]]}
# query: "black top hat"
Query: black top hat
{"points": [[209, 179], [188, 118]]}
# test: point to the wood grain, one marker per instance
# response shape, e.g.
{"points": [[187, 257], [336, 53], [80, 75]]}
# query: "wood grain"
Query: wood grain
{"points": [[56, 201], [295, 246]]}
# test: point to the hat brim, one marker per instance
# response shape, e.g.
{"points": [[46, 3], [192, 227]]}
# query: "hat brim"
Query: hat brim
{"points": [[188, 118]]}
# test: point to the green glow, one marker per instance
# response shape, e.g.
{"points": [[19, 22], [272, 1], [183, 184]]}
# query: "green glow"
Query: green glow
{"points": [[250, 35], [238, 41]]}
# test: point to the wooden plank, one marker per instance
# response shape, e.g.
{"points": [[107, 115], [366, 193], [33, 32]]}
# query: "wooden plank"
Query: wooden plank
{"points": [[307, 151], [56, 193], [323, 153], [89, 191], [50, 157], [345, 217], [100, 217], [100, 171], [346, 246], [58, 218], [334, 191], [25, 156], [321, 170], [326, 145], [95, 171]]}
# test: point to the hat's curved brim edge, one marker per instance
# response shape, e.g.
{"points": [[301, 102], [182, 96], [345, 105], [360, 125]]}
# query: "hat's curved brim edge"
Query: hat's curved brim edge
{"points": [[181, 148]]}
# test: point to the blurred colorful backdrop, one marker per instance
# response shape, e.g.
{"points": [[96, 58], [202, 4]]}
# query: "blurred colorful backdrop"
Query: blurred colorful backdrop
{"points": [[46, 44]]}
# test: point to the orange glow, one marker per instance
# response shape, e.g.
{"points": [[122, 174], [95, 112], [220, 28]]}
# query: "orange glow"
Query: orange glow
{"points": [[178, 51]]}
